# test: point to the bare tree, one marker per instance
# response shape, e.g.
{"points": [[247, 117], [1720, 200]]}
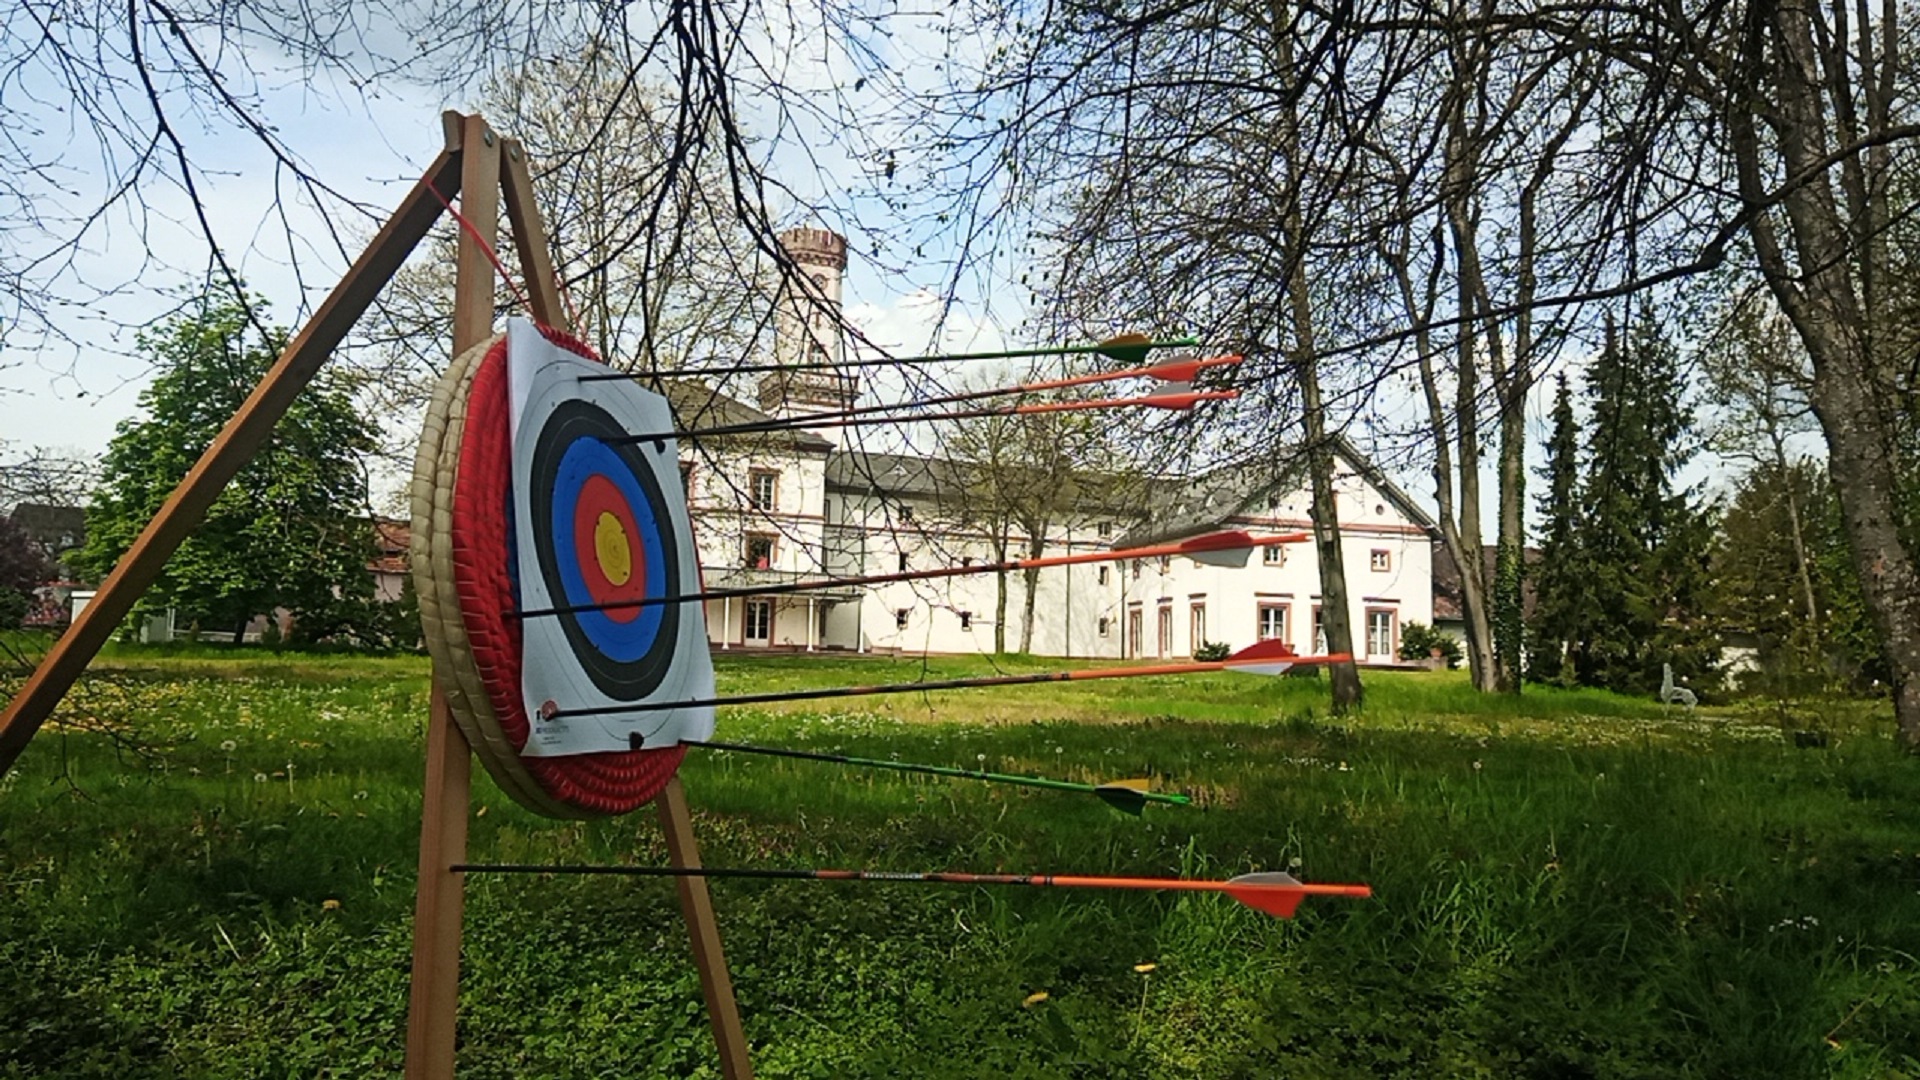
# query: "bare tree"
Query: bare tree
{"points": [[1024, 476]]}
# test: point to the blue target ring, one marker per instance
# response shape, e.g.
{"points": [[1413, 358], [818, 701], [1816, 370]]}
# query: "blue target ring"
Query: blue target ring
{"points": [[619, 639], [583, 474]]}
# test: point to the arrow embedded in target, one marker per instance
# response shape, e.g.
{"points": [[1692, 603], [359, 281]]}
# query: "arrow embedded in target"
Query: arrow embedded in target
{"points": [[1274, 893], [1229, 548], [1177, 374], [1131, 796], [1123, 348], [1261, 658], [1175, 397]]}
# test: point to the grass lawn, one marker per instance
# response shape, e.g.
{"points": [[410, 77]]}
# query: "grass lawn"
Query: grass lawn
{"points": [[1566, 885]]}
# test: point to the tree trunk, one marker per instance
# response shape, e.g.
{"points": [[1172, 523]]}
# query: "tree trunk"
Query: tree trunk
{"points": [[1305, 360], [1000, 593], [1827, 288], [1030, 577]]}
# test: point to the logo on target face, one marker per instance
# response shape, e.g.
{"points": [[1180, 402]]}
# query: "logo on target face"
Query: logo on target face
{"points": [[602, 535]]}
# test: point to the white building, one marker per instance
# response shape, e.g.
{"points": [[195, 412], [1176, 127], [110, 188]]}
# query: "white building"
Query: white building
{"points": [[795, 505]]}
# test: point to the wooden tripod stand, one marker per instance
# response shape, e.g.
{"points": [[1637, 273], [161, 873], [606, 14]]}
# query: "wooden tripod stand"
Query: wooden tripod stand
{"points": [[484, 170]]}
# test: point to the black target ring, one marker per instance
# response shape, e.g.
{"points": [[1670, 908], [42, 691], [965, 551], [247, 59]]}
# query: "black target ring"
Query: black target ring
{"points": [[625, 652]]}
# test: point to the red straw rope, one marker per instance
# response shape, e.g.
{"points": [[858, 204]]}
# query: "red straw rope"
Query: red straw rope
{"points": [[492, 256]]}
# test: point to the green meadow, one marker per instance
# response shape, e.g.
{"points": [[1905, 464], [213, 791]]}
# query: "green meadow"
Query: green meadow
{"points": [[207, 871]]}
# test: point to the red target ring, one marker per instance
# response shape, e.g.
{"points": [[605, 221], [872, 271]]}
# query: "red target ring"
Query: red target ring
{"points": [[482, 560], [608, 548]]}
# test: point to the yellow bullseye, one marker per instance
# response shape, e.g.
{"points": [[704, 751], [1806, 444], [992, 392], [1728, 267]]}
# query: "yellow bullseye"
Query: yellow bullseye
{"points": [[614, 550]]}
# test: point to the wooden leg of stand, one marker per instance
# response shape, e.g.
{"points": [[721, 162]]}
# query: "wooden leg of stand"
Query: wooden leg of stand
{"points": [[440, 905], [717, 986]]}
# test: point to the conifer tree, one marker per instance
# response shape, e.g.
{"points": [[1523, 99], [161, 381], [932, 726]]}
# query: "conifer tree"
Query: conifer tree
{"points": [[1557, 579], [1645, 547]]}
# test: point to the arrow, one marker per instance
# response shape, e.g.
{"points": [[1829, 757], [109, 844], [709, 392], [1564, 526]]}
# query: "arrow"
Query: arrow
{"points": [[1178, 374], [1261, 658], [1229, 548], [1124, 349], [1174, 396], [1131, 796], [1275, 893]]}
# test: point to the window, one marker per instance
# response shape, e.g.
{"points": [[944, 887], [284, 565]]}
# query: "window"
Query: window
{"points": [[1136, 631], [1196, 627], [903, 562], [1319, 632], [906, 512], [900, 618], [1105, 625], [759, 551], [686, 479], [1166, 629], [1381, 624], [1380, 559], [1273, 623], [966, 561], [826, 511], [763, 488], [1103, 575], [1103, 530], [759, 620], [1274, 555], [1136, 569], [966, 620], [1166, 563]]}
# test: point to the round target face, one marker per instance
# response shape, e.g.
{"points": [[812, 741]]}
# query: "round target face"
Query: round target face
{"points": [[602, 536]]}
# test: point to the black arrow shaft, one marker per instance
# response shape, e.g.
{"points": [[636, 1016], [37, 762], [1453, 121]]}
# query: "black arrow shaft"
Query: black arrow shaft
{"points": [[935, 770], [772, 697], [1104, 348]]}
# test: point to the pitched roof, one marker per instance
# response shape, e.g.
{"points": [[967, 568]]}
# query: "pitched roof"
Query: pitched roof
{"points": [[1448, 604], [55, 528], [696, 404], [391, 540], [895, 475], [1190, 506]]}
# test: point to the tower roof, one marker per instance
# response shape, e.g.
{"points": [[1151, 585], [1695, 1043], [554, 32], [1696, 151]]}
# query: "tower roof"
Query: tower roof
{"points": [[816, 247]]}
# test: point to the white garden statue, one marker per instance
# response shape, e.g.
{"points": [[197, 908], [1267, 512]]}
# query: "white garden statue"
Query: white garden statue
{"points": [[1671, 694]]}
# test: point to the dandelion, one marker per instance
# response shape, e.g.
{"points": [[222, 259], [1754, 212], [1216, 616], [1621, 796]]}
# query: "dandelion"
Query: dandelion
{"points": [[329, 905], [1033, 999], [359, 795], [982, 758], [229, 745], [259, 778], [1476, 766], [1294, 863], [1146, 979]]}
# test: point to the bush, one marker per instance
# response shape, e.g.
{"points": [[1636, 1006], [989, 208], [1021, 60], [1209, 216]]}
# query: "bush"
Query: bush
{"points": [[1418, 642], [13, 608], [1212, 650]]}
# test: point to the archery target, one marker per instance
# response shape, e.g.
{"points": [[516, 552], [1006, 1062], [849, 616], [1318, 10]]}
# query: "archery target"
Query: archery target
{"points": [[601, 520], [605, 540], [625, 536]]}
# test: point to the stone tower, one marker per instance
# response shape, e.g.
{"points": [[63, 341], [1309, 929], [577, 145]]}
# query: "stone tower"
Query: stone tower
{"points": [[807, 331]]}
